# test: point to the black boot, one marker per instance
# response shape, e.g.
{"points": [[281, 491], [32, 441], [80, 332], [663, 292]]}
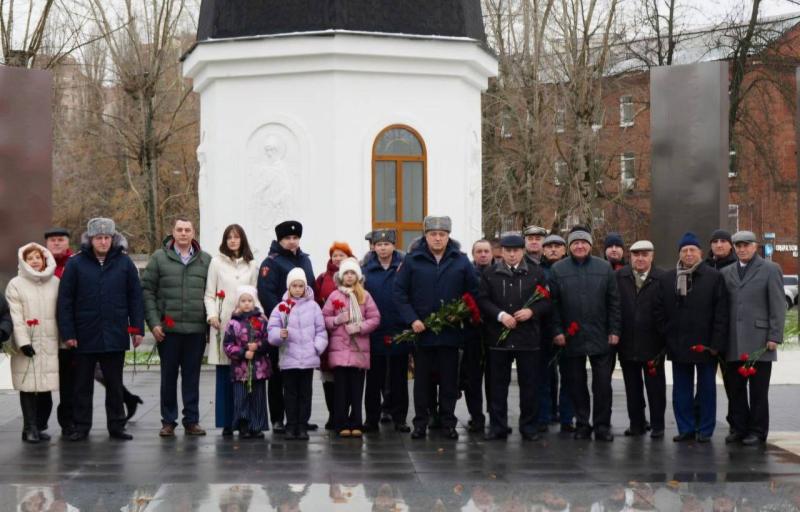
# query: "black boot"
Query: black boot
{"points": [[131, 403], [30, 430]]}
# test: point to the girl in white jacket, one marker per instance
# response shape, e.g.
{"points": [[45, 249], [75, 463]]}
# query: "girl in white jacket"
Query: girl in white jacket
{"points": [[233, 267], [32, 297]]}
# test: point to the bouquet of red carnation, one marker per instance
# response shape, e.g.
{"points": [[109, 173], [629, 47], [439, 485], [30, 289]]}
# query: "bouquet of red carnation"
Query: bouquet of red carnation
{"points": [[285, 308], [539, 293], [700, 348], [452, 315], [220, 300], [254, 325], [653, 364], [572, 329], [134, 331], [169, 323], [748, 369]]}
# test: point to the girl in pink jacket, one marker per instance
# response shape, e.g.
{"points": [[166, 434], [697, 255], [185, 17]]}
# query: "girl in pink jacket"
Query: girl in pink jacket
{"points": [[350, 316]]}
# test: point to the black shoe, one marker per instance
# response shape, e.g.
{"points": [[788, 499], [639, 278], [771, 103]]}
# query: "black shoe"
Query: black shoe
{"points": [[386, 417], [312, 427], [682, 438], [703, 439], [542, 428], [451, 433], [329, 425], [43, 436], [227, 432], [418, 433], [78, 436], [753, 440], [733, 437], [369, 427], [290, 435], [131, 404], [531, 436], [476, 426], [493, 435], [603, 435], [121, 435], [278, 428], [256, 434], [31, 435], [634, 432], [301, 435], [582, 433], [567, 428], [657, 434], [509, 430], [245, 434], [402, 427]]}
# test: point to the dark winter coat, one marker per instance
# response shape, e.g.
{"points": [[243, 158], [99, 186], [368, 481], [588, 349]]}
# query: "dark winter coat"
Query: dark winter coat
{"points": [[6, 326], [642, 314], [585, 292], [700, 318], [176, 290], [274, 269], [721, 263], [379, 282], [423, 284], [504, 290], [97, 303], [239, 332], [325, 284]]}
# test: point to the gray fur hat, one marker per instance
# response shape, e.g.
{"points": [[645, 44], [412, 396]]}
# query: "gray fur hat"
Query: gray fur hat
{"points": [[432, 223], [100, 226]]}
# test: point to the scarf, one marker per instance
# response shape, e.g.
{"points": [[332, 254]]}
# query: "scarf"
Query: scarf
{"points": [[684, 277], [355, 310]]}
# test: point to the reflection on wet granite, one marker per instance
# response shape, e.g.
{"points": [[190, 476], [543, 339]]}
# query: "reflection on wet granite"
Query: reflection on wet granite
{"points": [[386, 497]]}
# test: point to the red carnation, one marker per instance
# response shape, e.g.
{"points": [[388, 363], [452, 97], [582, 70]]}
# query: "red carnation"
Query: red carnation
{"points": [[134, 331], [337, 304], [387, 340], [256, 323], [283, 308], [652, 372], [32, 322], [290, 303], [744, 357], [743, 371], [474, 312], [221, 294], [169, 322], [544, 292], [651, 364], [697, 348], [573, 329], [751, 371]]}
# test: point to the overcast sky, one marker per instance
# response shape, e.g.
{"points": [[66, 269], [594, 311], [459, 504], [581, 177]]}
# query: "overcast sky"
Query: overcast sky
{"points": [[707, 12]]}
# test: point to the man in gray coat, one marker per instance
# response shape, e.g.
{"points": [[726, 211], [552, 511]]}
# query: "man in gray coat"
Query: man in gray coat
{"points": [[757, 314]]}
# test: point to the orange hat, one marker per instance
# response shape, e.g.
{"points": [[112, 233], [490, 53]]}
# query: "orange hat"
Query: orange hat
{"points": [[341, 246]]}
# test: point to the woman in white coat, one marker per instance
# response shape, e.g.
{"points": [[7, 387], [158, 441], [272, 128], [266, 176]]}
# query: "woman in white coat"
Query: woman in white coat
{"points": [[232, 267], [32, 297]]}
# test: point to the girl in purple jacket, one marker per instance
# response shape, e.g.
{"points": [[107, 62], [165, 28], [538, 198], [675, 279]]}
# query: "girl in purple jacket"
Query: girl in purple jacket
{"points": [[350, 316], [245, 344], [297, 327]]}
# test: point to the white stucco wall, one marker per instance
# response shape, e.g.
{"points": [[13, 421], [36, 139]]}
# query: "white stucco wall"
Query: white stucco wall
{"points": [[288, 125]]}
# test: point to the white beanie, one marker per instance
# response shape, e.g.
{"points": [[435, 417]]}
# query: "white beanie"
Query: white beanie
{"points": [[296, 274], [349, 264], [246, 290]]}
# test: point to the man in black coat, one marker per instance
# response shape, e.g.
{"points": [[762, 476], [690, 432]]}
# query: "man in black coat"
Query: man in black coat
{"points": [[721, 253], [586, 308], [6, 325], [100, 308], [504, 290], [696, 328], [641, 344]]}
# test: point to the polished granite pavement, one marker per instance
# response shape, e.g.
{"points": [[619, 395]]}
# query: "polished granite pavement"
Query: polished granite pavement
{"points": [[197, 473]]}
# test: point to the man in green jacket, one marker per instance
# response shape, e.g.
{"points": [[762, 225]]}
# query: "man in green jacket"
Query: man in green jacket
{"points": [[174, 283]]}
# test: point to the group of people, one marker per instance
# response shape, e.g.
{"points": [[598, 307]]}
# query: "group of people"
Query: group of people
{"points": [[544, 302]]}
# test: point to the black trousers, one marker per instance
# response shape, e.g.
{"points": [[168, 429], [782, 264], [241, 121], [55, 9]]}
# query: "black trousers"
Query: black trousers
{"points": [[528, 368], [297, 389], [275, 389], [348, 393], [471, 375], [111, 364], [66, 388], [602, 366], [180, 354], [387, 376], [445, 361], [637, 379], [327, 391], [36, 408], [748, 414]]}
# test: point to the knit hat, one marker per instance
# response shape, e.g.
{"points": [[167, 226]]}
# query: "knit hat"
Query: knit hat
{"points": [[688, 238], [553, 239], [384, 235], [340, 246], [350, 264], [513, 242], [296, 274], [613, 240], [744, 236], [580, 233], [100, 226], [288, 228], [246, 289], [56, 232], [433, 223], [534, 230], [721, 234]]}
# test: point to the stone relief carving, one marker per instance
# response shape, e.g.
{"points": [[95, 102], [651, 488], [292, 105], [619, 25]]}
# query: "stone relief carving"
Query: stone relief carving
{"points": [[272, 170]]}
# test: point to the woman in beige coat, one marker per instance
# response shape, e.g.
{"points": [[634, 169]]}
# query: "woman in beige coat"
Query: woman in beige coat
{"points": [[232, 267], [32, 297]]}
